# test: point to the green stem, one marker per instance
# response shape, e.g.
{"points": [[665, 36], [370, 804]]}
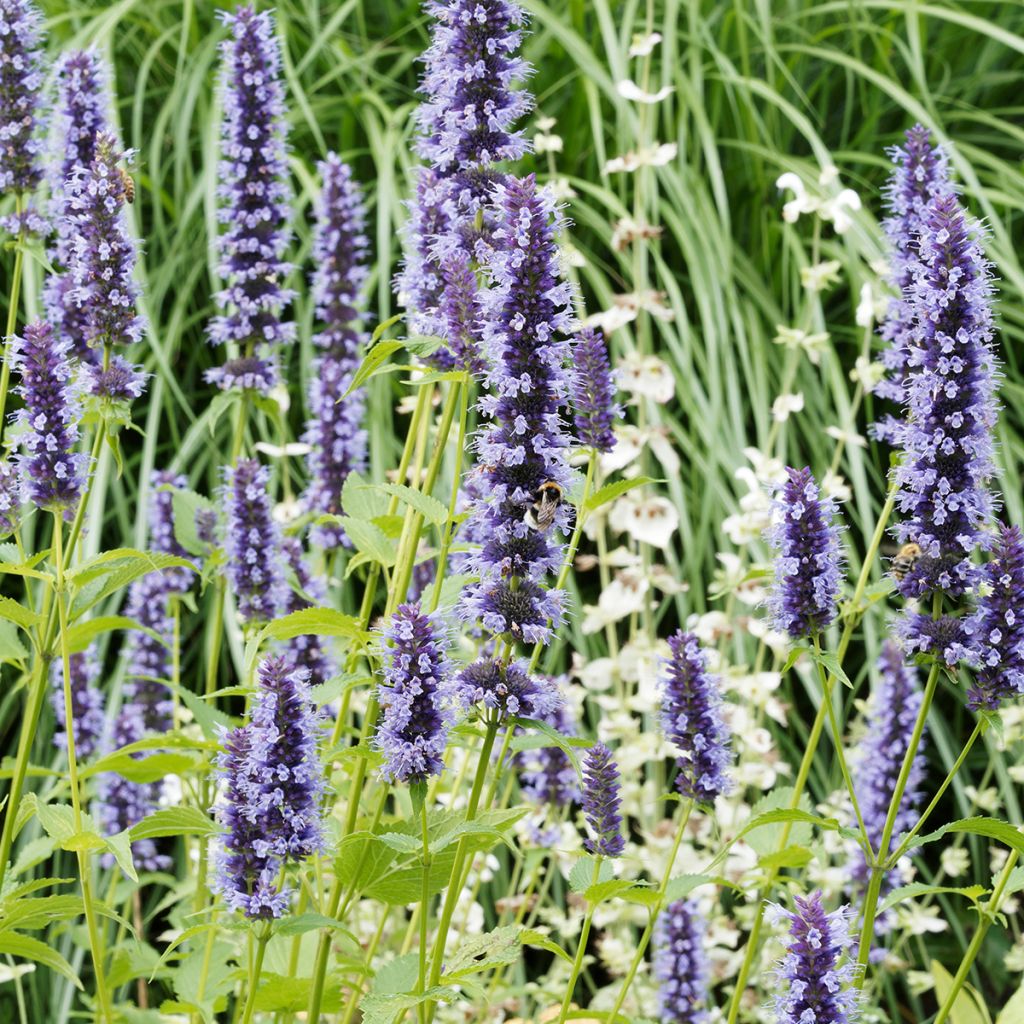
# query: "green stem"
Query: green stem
{"points": [[255, 970], [581, 948], [12, 312], [421, 981]]}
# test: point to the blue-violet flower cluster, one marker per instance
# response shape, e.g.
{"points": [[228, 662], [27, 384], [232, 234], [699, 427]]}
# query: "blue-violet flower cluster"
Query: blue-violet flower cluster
{"points": [[601, 802], [680, 964], [21, 80], [593, 393]]}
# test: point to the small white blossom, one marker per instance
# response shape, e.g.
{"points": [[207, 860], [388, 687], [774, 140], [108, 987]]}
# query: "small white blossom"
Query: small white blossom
{"points": [[850, 438], [657, 155], [646, 377], [799, 340], [820, 276], [836, 210], [643, 46], [867, 373], [955, 861], [918, 919], [785, 405], [629, 90], [293, 449], [802, 202], [872, 306], [650, 520]]}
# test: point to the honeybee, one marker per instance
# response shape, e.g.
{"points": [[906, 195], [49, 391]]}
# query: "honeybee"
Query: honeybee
{"points": [[903, 561], [546, 500], [127, 185]]}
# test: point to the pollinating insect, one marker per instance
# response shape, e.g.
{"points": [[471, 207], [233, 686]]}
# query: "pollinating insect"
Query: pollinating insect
{"points": [[127, 185], [903, 561], [546, 501]]}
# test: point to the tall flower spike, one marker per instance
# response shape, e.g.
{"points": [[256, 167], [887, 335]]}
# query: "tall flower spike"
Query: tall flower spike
{"points": [[593, 392], [807, 576], [54, 473], [11, 497], [254, 193], [507, 689], [601, 802], [307, 651], [21, 80], [879, 759], [680, 964], [86, 703], [253, 542], [524, 446], [996, 630], [415, 719], [813, 978], [921, 172], [546, 775], [691, 715]]}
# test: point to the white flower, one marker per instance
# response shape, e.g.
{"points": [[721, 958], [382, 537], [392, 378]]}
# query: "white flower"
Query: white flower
{"points": [[629, 90], [627, 230], [829, 173], [596, 675], [920, 982], [785, 405], [643, 46], [872, 306], [801, 202], [921, 920], [661, 445], [795, 338], [1014, 959], [545, 143], [710, 627], [279, 393], [544, 123], [835, 210], [986, 799], [850, 438], [611, 319], [12, 971], [623, 596], [955, 861], [820, 276], [866, 373], [650, 520], [657, 155], [834, 485], [288, 511], [291, 450], [629, 443], [767, 469], [646, 376]]}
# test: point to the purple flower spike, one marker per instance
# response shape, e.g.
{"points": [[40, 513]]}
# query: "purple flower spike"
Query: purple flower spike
{"points": [[506, 689], [921, 173], [523, 452], [996, 629], [593, 396], [415, 719], [307, 651], [601, 802], [815, 983], [11, 496], [546, 775], [691, 714], [253, 542], [888, 728], [21, 80], [86, 703], [808, 559], [54, 473], [254, 193], [680, 964], [102, 252], [460, 307], [121, 381], [947, 439]]}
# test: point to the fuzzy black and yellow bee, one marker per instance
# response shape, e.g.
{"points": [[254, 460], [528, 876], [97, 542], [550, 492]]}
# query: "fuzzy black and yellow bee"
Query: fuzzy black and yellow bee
{"points": [[127, 185], [546, 501], [903, 561]]}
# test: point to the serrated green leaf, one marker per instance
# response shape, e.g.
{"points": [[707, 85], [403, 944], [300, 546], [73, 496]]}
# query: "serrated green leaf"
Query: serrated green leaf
{"points": [[82, 634], [1013, 1011], [185, 505], [979, 826], [611, 491], [173, 821], [361, 500], [481, 952], [967, 1008], [143, 769], [27, 948], [906, 892], [120, 845], [608, 890], [374, 360], [530, 937], [18, 614], [12, 649], [581, 876], [428, 506]]}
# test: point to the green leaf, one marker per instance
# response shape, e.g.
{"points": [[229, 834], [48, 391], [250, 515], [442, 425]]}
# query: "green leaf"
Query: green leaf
{"points": [[312, 622], [428, 506], [106, 573], [529, 937], [372, 362], [609, 889], [173, 821], [966, 1007], [979, 826], [28, 948], [906, 892], [11, 647], [614, 490], [581, 877], [830, 662], [361, 500], [83, 633], [143, 769], [683, 885], [383, 1009], [502, 946], [790, 857], [770, 816], [401, 843], [120, 845], [1013, 1011], [279, 993], [369, 539], [18, 614], [185, 505]]}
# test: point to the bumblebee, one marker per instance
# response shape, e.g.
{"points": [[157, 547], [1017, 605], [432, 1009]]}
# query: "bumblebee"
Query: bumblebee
{"points": [[903, 561], [546, 500], [127, 185]]}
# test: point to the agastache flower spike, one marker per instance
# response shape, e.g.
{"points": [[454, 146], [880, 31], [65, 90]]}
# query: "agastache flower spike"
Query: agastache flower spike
{"points": [[11, 497], [415, 717], [86, 703], [546, 775], [808, 556], [692, 718], [507, 689], [680, 964], [307, 651], [996, 630], [879, 759], [601, 802], [525, 445], [814, 978], [253, 542], [593, 397], [21, 80], [254, 192], [54, 473], [921, 173]]}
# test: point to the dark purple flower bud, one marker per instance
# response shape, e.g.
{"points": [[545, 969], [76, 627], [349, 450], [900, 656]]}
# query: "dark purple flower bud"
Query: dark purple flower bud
{"points": [[11, 497], [813, 977], [807, 564], [601, 802], [593, 393], [947, 439], [888, 728], [86, 703], [942, 636], [54, 472], [507, 689], [996, 629], [254, 193], [253, 542], [21, 80], [250, 373], [523, 451], [308, 651], [415, 717], [680, 964], [121, 381], [102, 253], [691, 715], [921, 173]]}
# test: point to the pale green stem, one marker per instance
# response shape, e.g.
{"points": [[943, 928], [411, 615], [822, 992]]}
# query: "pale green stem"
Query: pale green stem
{"points": [[255, 970], [581, 949]]}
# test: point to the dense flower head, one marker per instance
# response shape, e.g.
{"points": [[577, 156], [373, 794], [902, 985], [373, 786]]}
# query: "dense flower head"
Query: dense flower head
{"points": [[691, 715], [413, 695], [12, 491], [253, 542], [888, 728], [601, 802], [546, 774], [996, 630], [101, 251], [680, 964], [593, 393], [813, 979], [254, 194], [921, 172], [808, 557], [523, 448], [148, 656], [54, 472], [951, 410], [307, 651], [86, 702], [507, 689], [461, 312], [21, 80], [121, 381]]}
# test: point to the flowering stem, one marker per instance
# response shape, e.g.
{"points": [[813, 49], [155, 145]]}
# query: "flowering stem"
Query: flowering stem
{"points": [[878, 870], [255, 970], [421, 981], [12, 309], [655, 911], [581, 948]]}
